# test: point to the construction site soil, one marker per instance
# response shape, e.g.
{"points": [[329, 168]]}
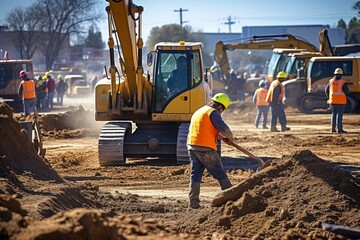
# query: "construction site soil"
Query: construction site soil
{"points": [[313, 177]]}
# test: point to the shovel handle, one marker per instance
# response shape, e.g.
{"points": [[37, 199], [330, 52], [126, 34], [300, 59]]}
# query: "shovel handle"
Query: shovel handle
{"points": [[252, 156], [259, 160]]}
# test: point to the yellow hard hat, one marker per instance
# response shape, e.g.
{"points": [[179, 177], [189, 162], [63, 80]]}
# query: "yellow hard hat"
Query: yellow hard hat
{"points": [[221, 98], [338, 71], [59, 76], [281, 74]]}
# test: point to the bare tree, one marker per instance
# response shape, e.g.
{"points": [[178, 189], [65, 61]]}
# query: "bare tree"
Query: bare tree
{"points": [[59, 19], [24, 26]]}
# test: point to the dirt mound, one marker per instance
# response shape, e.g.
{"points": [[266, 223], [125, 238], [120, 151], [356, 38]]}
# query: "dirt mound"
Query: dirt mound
{"points": [[71, 124], [289, 199], [17, 153]]}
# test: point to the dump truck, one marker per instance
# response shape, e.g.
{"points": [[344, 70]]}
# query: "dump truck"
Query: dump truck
{"points": [[144, 117]]}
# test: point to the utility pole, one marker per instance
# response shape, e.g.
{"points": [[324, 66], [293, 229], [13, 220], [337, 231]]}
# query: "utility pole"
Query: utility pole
{"points": [[181, 18], [229, 22]]}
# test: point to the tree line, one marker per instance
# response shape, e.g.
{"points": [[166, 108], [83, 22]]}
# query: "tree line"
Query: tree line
{"points": [[47, 25]]}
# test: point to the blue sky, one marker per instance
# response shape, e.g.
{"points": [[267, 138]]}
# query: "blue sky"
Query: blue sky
{"points": [[211, 15]]}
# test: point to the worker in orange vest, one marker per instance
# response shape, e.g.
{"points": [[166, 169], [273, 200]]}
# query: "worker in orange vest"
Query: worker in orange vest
{"points": [[336, 91], [274, 98], [27, 92], [262, 105], [205, 128]]}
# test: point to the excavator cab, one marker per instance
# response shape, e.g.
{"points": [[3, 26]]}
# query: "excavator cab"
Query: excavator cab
{"points": [[178, 77]]}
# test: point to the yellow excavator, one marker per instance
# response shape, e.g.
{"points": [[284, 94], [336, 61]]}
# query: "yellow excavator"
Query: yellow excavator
{"points": [[146, 115], [282, 45]]}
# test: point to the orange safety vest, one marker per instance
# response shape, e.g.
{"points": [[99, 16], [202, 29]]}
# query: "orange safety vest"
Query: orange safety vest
{"points": [[28, 89], [336, 93], [273, 85], [261, 94], [201, 131]]}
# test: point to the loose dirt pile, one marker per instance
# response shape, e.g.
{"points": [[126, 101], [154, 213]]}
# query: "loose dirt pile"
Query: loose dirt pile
{"points": [[289, 199], [25, 177], [17, 153], [71, 124]]}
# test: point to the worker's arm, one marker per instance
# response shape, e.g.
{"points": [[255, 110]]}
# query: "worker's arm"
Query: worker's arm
{"points": [[254, 97], [327, 90], [20, 90], [220, 125], [345, 88]]}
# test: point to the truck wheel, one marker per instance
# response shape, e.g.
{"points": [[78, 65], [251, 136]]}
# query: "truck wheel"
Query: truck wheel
{"points": [[351, 105], [306, 104]]}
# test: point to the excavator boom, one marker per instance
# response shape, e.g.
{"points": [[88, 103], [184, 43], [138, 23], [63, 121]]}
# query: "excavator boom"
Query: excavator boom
{"points": [[260, 43]]}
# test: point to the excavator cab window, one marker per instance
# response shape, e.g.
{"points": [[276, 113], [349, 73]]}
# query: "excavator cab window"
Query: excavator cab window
{"points": [[325, 69], [176, 72]]}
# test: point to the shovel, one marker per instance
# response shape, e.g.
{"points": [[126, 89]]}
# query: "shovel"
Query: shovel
{"points": [[252, 156]]}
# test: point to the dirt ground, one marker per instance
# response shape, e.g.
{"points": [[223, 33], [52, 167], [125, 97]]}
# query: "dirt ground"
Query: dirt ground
{"points": [[313, 177]]}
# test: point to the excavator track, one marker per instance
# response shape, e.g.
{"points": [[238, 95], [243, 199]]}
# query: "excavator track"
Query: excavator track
{"points": [[182, 155], [111, 143]]}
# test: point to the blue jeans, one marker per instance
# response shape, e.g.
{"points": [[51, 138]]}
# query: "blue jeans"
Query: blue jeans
{"points": [[337, 116], [210, 160], [29, 106], [51, 99], [277, 112], [261, 110]]}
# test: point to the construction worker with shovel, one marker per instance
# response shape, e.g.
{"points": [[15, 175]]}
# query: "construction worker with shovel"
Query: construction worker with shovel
{"points": [[205, 128]]}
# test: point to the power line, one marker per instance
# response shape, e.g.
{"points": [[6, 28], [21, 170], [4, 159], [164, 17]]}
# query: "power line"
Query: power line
{"points": [[181, 18]]}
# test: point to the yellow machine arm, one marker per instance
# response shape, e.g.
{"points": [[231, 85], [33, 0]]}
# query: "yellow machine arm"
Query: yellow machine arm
{"points": [[259, 43], [325, 45], [122, 18]]}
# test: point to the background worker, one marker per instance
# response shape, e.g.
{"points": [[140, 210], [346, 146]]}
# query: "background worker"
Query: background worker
{"points": [[205, 126], [27, 91], [336, 91], [51, 86], [61, 88], [274, 98], [262, 105], [40, 93]]}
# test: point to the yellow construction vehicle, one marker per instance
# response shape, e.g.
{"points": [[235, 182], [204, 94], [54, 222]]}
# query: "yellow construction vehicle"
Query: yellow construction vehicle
{"points": [[320, 70], [9, 84], [147, 117], [10, 81], [267, 42], [282, 46]]}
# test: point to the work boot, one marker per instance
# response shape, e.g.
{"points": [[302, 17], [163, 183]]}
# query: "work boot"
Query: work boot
{"points": [[265, 127], [342, 131], [274, 129], [333, 131], [285, 128], [225, 183], [194, 200]]}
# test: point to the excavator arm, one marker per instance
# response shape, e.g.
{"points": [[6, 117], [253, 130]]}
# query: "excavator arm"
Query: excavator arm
{"points": [[122, 21], [325, 45], [259, 43]]}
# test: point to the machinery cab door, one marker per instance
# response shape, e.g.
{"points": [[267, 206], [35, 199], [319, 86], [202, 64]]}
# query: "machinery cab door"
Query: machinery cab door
{"points": [[176, 73]]}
